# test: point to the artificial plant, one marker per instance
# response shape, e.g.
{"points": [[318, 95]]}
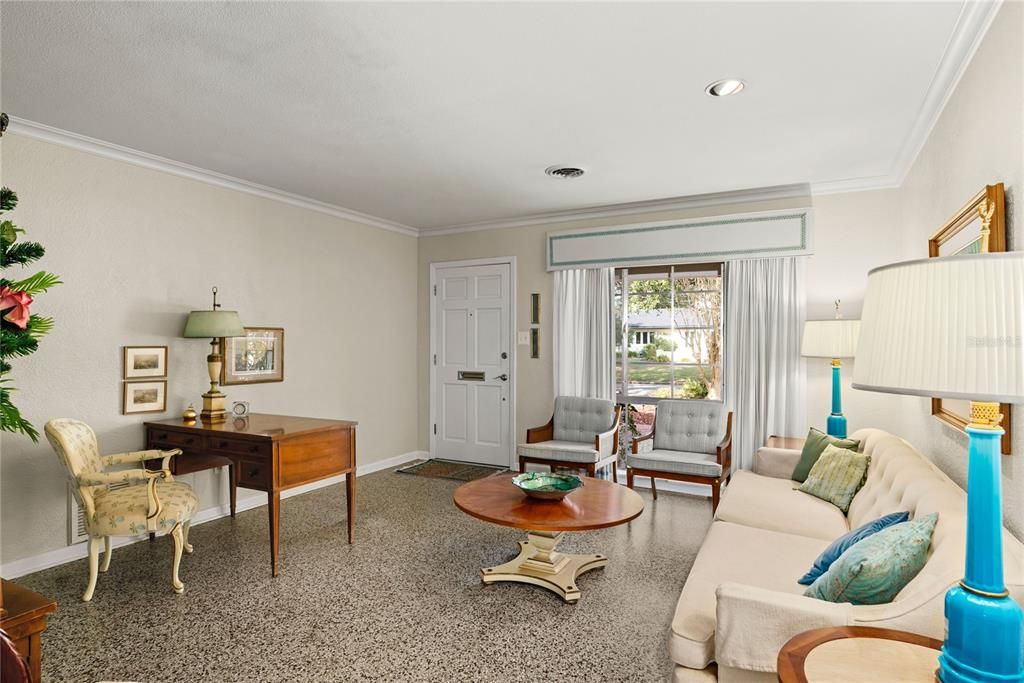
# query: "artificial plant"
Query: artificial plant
{"points": [[20, 330]]}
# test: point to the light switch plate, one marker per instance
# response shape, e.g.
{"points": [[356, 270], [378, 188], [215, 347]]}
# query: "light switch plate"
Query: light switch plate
{"points": [[523, 338]]}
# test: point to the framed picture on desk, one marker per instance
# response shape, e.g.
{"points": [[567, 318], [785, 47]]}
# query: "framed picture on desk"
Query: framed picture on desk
{"points": [[255, 358]]}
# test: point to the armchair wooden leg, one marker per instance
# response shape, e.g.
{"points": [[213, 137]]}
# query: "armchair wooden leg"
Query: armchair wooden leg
{"points": [[106, 554], [184, 536], [179, 543], [629, 477], [654, 489], [615, 472], [715, 495], [522, 465], [94, 565]]}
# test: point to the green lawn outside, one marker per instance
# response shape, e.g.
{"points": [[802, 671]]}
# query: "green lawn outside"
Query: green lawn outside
{"points": [[655, 373]]}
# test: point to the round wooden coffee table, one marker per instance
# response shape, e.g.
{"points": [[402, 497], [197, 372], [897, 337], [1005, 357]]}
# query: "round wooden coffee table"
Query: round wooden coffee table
{"points": [[597, 505]]}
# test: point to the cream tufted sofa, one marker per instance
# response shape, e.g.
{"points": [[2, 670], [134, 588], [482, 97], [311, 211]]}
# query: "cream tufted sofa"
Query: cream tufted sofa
{"points": [[742, 602]]}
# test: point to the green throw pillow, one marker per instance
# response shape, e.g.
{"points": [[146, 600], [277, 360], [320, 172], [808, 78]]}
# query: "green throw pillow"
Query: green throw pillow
{"points": [[875, 570], [837, 476], [813, 448]]}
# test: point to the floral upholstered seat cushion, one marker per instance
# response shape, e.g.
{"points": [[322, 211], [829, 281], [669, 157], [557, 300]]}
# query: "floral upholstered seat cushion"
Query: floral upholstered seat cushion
{"points": [[122, 512]]}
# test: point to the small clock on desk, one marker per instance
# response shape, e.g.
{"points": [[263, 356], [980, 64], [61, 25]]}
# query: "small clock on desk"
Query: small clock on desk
{"points": [[240, 408]]}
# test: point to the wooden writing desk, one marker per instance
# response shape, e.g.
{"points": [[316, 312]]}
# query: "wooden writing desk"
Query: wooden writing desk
{"points": [[269, 453], [24, 621]]}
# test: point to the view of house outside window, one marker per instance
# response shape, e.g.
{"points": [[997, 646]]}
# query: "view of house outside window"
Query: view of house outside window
{"points": [[671, 319]]}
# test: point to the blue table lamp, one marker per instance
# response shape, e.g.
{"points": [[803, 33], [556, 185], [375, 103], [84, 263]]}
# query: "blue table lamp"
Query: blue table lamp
{"points": [[953, 327], [834, 339]]}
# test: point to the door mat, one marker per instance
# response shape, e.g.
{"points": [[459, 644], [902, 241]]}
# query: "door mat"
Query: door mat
{"points": [[447, 469]]}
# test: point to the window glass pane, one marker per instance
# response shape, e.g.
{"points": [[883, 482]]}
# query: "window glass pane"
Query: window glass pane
{"points": [[671, 319]]}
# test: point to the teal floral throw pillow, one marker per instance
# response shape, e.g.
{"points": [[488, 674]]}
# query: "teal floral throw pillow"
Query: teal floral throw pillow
{"points": [[873, 571], [837, 476]]}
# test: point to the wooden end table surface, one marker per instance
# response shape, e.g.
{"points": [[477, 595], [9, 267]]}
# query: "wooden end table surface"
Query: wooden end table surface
{"points": [[858, 654], [24, 621], [794, 443]]}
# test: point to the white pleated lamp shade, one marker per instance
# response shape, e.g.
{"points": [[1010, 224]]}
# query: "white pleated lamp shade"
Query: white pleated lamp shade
{"points": [[830, 338], [949, 327]]}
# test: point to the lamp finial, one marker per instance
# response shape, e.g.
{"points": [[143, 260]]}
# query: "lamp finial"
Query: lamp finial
{"points": [[215, 304], [839, 315]]}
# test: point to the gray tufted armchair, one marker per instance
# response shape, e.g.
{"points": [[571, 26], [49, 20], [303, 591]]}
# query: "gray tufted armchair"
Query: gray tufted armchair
{"points": [[691, 441], [583, 434]]}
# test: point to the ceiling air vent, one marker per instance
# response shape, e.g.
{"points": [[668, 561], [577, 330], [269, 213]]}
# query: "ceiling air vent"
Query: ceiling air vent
{"points": [[564, 171]]}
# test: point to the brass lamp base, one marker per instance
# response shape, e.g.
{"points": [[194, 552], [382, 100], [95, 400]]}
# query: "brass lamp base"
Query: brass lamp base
{"points": [[213, 408]]}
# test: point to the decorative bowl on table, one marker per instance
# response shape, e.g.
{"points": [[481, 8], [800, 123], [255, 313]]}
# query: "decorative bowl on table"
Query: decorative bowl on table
{"points": [[547, 486]]}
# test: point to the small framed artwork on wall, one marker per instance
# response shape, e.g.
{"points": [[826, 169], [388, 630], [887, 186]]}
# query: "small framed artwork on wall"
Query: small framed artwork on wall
{"points": [[144, 397], [255, 358], [145, 361]]}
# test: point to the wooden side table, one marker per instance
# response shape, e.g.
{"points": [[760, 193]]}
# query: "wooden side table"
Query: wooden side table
{"points": [[858, 654], [25, 621], [795, 443]]}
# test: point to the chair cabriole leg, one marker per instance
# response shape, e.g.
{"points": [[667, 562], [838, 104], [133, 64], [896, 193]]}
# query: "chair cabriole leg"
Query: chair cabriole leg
{"points": [[94, 565], [179, 543], [106, 554], [184, 536]]}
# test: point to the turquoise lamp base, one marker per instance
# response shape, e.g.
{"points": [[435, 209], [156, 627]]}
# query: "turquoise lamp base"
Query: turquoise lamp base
{"points": [[836, 426], [984, 626]]}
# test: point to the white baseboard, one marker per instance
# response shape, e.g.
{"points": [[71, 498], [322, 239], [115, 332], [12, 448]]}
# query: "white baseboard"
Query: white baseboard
{"points": [[52, 558]]}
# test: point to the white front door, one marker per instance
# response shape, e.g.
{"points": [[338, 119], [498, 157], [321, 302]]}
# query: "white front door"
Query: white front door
{"points": [[472, 324]]}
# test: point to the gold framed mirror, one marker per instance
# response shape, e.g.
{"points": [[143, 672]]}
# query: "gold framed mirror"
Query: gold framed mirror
{"points": [[978, 227]]}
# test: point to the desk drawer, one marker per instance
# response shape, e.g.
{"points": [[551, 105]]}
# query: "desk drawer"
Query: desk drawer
{"points": [[254, 474], [166, 439], [226, 444]]}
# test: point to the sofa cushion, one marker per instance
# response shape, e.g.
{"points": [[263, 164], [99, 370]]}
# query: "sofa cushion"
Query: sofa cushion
{"points": [[566, 451], [814, 446], [678, 462], [875, 570], [775, 504], [582, 419], [691, 426], [843, 543], [837, 476], [733, 552]]}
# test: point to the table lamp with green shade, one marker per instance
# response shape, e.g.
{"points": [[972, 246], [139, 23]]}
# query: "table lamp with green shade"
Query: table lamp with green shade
{"points": [[213, 324], [833, 339], [953, 327]]}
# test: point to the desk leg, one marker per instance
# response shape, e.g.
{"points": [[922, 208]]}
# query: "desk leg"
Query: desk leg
{"points": [[233, 486], [350, 498], [274, 506]]}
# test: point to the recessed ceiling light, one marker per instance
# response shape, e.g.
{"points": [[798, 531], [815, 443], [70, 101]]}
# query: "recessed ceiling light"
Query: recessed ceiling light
{"points": [[564, 171], [725, 87]]}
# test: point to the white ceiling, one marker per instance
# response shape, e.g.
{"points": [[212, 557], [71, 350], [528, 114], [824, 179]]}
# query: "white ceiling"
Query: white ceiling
{"points": [[435, 115]]}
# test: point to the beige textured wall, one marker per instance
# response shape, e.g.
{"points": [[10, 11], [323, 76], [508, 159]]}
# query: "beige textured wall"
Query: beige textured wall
{"points": [[978, 140], [534, 399], [137, 249]]}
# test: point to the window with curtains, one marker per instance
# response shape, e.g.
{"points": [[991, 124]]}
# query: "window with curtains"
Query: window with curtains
{"points": [[668, 343]]}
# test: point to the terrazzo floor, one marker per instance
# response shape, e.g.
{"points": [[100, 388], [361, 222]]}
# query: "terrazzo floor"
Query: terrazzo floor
{"points": [[405, 603]]}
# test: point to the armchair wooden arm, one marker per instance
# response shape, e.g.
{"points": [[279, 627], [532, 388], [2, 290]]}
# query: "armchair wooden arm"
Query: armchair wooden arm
{"points": [[613, 433], [645, 437], [544, 433], [142, 456], [723, 451]]}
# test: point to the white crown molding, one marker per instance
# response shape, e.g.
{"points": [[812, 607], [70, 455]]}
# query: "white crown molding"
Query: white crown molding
{"points": [[799, 191], [110, 150], [975, 18]]}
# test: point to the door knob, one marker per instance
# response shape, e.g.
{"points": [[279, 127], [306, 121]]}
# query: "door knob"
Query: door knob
{"points": [[503, 378]]}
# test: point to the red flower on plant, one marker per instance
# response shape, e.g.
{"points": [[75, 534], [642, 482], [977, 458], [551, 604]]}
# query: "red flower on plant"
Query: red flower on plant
{"points": [[18, 302]]}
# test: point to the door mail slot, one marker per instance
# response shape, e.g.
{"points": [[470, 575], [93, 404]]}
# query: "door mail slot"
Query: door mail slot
{"points": [[471, 375]]}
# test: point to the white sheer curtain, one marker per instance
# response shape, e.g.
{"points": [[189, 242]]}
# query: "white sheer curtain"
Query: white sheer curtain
{"points": [[584, 357], [764, 374]]}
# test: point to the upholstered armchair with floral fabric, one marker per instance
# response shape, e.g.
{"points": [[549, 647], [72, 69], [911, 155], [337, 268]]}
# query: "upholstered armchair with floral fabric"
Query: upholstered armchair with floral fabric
{"points": [[152, 502]]}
